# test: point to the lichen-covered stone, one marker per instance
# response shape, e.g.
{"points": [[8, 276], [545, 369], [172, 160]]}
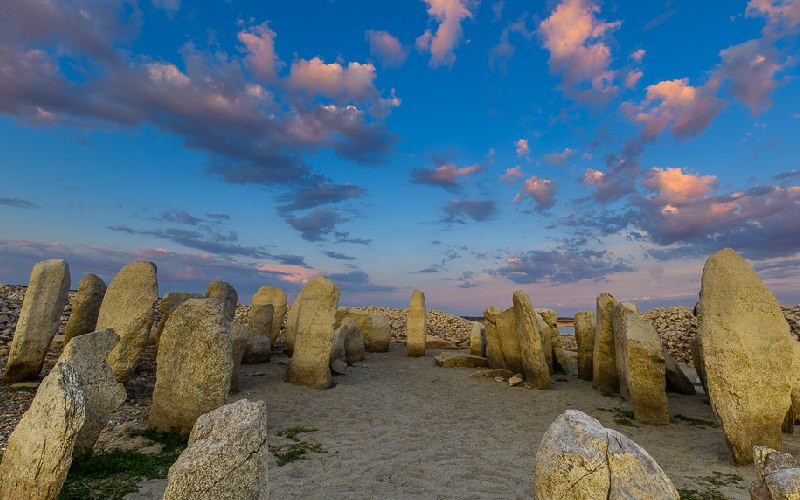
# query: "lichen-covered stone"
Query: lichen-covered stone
{"points": [[584, 337], [477, 340], [641, 358], [276, 297], [621, 313], [224, 291], [505, 328], [604, 357], [85, 307], [534, 365], [169, 302], [310, 363], [416, 325]]}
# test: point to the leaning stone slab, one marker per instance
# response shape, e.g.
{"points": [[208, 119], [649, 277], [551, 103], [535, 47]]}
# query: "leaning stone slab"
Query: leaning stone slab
{"points": [[747, 354], [579, 459], [39, 451], [559, 361], [584, 337], [453, 360], [224, 291], [227, 456], [310, 363], [677, 381], [494, 347], [85, 307], [604, 361], [435, 343], [477, 340], [534, 365], [621, 313], [547, 342], [641, 357], [194, 365], [416, 325], [168, 304], [276, 297], [505, 327], [128, 309], [38, 320], [292, 317]]}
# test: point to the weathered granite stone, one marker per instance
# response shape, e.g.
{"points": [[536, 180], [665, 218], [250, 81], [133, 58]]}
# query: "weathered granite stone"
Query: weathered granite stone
{"points": [[477, 340], [239, 336], [168, 304], [559, 361], [224, 291], [353, 345], [505, 327], [416, 325], [621, 313], [529, 336], [584, 337], [257, 350], [547, 342], [777, 475], [492, 373], [454, 360], [85, 307], [277, 298], [696, 346], [604, 362], [310, 363], [677, 381], [381, 333], [292, 317], [259, 326], [494, 346], [338, 351], [641, 358]]}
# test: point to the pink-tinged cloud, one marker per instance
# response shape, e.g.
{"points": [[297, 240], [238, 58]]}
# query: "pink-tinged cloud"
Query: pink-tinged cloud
{"points": [[750, 67], [542, 191], [575, 38], [632, 78], [261, 58], [781, 14], [638, 55], [673, 186], [386, 48], [558, 158], [290, 274], [448, 172], [593, 177], [441, 45], [522, 148], [353, 82], [512, 174]]}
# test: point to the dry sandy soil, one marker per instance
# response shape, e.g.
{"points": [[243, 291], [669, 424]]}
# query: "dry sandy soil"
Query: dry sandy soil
{"points": [[397, 427]]}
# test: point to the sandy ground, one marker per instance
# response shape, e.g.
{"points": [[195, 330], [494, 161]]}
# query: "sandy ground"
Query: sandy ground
{"points": [[399, 427]]}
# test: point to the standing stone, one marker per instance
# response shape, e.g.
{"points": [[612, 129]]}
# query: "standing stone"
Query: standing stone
{"points": [[259, 325], [128, 309], [747, 354], [795, 377], [381, 334], [224, 291], [696, 346], [505, 327], [477, 340], [239, 337], [194, 365], [677, 381], [38, 320], [416, 325], [604, 363], [227, 456], [621, 313], [354, 345], [534, 365], [292, 317], [494, 346], [310, 363], [584, 337], [559, 361], [547, 343], [85, 307], [643, 370], [277, 298], [103, 394], [168, 304], [579, 459], [39, 451]]}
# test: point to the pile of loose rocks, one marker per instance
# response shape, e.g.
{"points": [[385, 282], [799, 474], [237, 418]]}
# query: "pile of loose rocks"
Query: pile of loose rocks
{"points": [[677, 326], [440, 325]]}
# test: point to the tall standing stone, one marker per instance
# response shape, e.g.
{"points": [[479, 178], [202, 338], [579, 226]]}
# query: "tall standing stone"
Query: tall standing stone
{"points": [[696, 347], [559, 361], [604, 362], [505, 328], [547, 343], [747, 354], [494, 346], [224, 291], [39, 451], [416, 325], [194, 365], [128, 309], [621, 313], [642, 360], [381, 334], [38, 320], [292, 318], [310, 363], [277, 298], [169, 302], [584, 337], [259, 325], [534, 365], [477, 340], [85, 307]]}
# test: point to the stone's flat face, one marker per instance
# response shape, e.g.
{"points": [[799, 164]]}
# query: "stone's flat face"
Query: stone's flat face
{"points": [[579, 459], [168, 304], [621, 313], [276, 297], [103, 394], [644, 371], [224, 291], [505, 328], [477, 340], [777, 475], [677, 381], [494, 346], [747, 354], [85, 307], [38, 320], [604, 362], [257, 350], [354, 345], [310, 363], [416, 325], [547, 343], [128, 309], [239, 337], [453, 360], [696, 346], [292, 317], [259, 322], [227, 456], [194, 365], [39, 451], [338, 351], [381, 334], [584, 337], [529, 338]]}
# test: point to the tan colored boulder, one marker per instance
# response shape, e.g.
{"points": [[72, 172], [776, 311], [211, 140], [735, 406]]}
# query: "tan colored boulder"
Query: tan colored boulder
{"points": [[354, 346], [777, 475], [277, 298], [128, 309], [455, 360], [696, 347], [85, 307], [194, 365], [39, 451], [641, 357], [292, 317], [494, 346], [259, 326], [416, 325], [604, 358], [38, 320], [795, 377], [227, 456], [492, 373], [677, 381], [239, 337], [747, 354], [529, 336], [547, 342], [381, 334], [477, 340], [579, 459], [224, 291], [168, 304], [621, 313], [505, 327], [310, 363], [559, 361], [584, 337], [340, 334]]}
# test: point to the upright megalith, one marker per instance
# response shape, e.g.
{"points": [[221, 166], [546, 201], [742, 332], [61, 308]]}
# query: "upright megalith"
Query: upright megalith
{"points": [[310, 363], [354, 346], [85, 307], [380, 335], [416, 325], [39, 451], [504, 326], [547, 343], [292, 317], [579, 459], [194, 365], [477, 340], [584, 336], [128, 308], [224, 291], [558, 359], [604, 360], [227, 456], [169, 302], [642, 360], [257, 347], [534, 366], [747, 354], [621, 312], [494, 346], [276, 297], [38, 320]]}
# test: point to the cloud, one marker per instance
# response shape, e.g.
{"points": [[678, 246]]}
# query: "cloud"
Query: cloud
{"points": [[672, 186], [317, 225], [168, 5], [17, 203], [441, 45], [512, 174], [558, 158], [619, 179], [632, 78], [446, 174], [218, 217], [180, 217], [638, 55], [522, 147], [358, 281], [750, 67], [542, 191], [338, 256], [463, 211], [319, 190], [561, 265], [787, 176], [344, 237], [500, 54], [261, 58], [386, 48], [782, 15], [353, 82]]}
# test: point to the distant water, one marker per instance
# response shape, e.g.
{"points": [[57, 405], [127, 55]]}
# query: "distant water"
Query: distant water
{"points": [[566, 330]]}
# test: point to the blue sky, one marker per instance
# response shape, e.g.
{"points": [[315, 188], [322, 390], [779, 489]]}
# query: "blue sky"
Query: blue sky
{"points": [[464, 148]]}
